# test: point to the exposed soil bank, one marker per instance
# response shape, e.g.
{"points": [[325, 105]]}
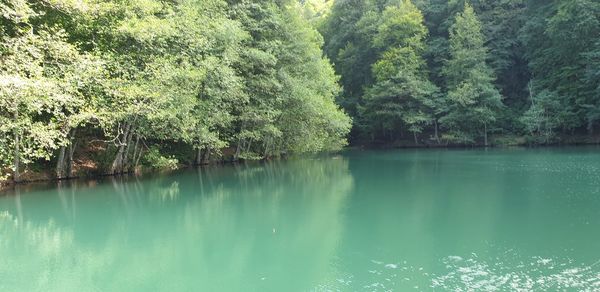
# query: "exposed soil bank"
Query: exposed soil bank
{"points": [[31, 176]]}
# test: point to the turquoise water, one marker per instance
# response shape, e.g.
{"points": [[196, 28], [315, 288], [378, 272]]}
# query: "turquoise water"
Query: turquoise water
{"points": [[403, 220]]}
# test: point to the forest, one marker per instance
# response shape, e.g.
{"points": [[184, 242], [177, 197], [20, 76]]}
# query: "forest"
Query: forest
{"points": [[476, 72], [111, 86], [106, 87]]}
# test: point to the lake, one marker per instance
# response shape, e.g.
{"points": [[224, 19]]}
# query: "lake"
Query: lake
{"points": [[397, 220]]}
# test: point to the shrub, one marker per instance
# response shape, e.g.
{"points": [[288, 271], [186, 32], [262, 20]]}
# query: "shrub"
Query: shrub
{"points": [[155, 160]]}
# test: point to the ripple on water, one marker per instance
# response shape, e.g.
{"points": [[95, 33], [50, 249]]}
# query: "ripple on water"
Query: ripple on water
{"points": [[541, 274], [473, 274]]}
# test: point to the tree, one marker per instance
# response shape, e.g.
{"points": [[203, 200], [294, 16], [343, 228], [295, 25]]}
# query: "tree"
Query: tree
{"points": [[155, 76], [40, 96], [473, 101], [560, 39], [348, 33], [501, 22], [402, 95], [543, 116], [291, 88], [592, 80], [315, 11]]}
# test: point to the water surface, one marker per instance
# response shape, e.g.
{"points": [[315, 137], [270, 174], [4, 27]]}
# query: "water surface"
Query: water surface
{"points": [[421, 220]]}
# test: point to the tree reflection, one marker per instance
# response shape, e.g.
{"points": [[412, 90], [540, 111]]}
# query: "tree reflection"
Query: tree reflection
{"points": [[253, 227]]}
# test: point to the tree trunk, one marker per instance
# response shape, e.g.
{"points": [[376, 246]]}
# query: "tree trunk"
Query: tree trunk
{"points": [[64, 164], [139, 156], [485, 135], [135, 151], [207, 155], [17, 174], [249, 145], [416, 140], [71, 149], [60, 163], [199, 156], [237, 150], [129, 140], [437, 137], [117, 165], [266, 153]]}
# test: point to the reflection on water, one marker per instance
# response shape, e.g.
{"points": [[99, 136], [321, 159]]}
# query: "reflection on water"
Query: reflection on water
{"points": [[364, 221], [242, 229]]}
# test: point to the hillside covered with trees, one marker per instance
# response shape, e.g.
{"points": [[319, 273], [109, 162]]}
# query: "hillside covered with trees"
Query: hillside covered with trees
{"points": [[467, 72], [107, 86]]}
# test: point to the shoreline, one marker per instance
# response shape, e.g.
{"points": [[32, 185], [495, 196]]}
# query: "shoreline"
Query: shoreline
{"points": [[8, 185], [410, 145]]}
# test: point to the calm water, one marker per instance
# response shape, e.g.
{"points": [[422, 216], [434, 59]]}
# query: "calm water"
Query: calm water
{"points": [[422, 220]]}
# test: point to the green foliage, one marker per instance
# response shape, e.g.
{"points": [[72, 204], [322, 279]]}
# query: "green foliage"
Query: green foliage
{"points": [[44, 81], [402, 95], [561, 40], [473, 102], [315, 11], [543, 116], [348, 33], [155, 160], [203, 74], [291, 88], [265, 78], [481, 54]]}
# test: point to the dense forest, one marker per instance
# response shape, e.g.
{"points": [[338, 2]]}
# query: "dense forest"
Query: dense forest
{"points": [[461, 72], [108, 86]]}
